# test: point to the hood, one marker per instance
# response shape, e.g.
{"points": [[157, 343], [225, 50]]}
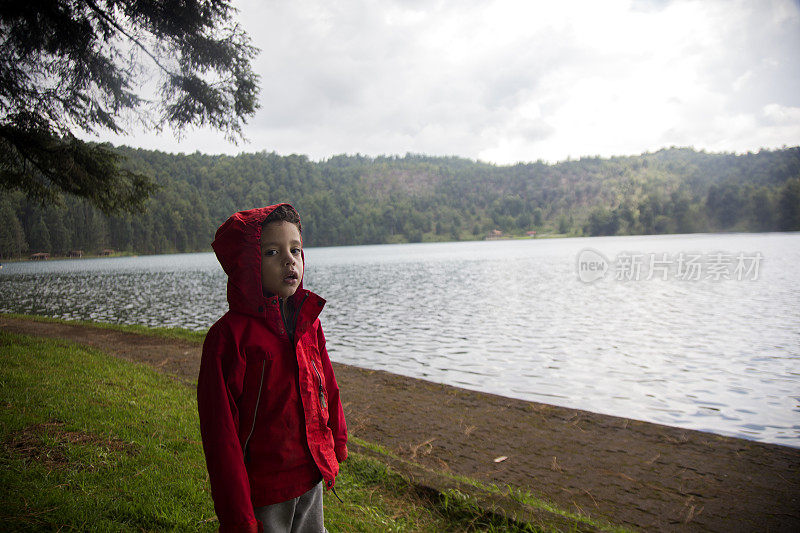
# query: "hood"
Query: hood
{"points": [[237, 245]]}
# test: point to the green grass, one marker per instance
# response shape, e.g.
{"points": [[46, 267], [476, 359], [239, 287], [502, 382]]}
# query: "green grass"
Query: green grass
{"points": [[93, 443]]}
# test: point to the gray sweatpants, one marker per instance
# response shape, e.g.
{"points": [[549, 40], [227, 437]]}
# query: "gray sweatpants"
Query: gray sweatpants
{"points": [[298, 515]]}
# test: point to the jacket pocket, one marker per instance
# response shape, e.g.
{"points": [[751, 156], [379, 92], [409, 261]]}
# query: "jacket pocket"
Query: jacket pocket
{"points": [[257, 363]]}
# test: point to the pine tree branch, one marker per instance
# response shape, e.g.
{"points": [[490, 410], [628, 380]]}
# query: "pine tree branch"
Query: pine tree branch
{"points": [[94, 7]]}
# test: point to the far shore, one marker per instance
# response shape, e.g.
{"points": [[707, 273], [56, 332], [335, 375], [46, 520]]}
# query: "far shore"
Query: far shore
{"points": [[538, 236]]}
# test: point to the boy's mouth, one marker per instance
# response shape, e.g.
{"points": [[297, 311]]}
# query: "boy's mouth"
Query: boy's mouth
{"points": [[290, 278]]}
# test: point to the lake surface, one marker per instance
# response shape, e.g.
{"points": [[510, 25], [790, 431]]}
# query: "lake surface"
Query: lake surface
{"points": [[699, 331]]}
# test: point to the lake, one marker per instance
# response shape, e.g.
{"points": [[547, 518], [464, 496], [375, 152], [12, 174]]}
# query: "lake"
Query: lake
{"points": [[698, 331]]}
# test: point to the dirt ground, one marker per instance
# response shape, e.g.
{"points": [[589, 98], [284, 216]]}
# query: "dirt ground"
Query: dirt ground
{"points": [[633, 473]]}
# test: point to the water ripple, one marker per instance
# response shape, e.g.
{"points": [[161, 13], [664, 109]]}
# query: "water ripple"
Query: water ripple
{"points": [[507, 317]]}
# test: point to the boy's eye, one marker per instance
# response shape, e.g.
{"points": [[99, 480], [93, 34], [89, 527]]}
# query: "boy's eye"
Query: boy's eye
{"points": [[270, 252], [296, 251]]}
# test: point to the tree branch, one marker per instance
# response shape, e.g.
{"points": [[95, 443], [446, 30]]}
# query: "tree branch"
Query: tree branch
{"points": [[94, 7]]}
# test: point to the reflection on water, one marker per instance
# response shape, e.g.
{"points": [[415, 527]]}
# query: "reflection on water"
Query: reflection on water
{"points": [[508, 317]]}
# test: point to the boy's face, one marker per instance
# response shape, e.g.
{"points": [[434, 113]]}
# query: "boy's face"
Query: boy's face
{"points": [[281, 259]]}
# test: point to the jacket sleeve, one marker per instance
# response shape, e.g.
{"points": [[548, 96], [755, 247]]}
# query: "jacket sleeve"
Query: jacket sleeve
{"points": [[218, 385], [336, 420]]}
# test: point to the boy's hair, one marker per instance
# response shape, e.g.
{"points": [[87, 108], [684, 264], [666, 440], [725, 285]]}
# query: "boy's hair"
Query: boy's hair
{"points": [[284, 213]]}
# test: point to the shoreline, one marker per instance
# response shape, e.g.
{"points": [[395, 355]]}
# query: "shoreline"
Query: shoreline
{"points": [[632, 473], [711, 433], [199, 335]]}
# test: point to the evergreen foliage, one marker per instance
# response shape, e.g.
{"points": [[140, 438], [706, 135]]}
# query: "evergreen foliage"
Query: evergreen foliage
{"points": [[67, 66], [12, 238], [364, 200]]}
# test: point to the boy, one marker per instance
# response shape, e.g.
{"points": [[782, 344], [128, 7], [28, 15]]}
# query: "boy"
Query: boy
{"points": [[270, 416]]}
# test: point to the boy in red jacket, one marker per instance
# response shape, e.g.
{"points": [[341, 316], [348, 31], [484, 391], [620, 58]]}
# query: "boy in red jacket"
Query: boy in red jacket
{"points": [[270, 416]]}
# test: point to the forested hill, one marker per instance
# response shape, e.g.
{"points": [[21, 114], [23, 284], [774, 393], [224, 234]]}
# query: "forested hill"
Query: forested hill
{"points": [[360, 200]]}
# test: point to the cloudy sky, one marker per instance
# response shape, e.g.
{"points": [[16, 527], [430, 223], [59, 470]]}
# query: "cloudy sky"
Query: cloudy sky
{"points": [[509, 81]]}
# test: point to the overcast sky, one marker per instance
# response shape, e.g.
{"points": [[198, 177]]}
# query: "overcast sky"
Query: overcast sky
{"points": [[509, 81]]}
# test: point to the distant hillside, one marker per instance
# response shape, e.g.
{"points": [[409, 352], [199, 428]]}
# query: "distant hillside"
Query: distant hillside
{"points": [[361, 200]]}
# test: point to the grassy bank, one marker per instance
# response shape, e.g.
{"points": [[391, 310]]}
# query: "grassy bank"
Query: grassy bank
{"points": [[90, 442]]}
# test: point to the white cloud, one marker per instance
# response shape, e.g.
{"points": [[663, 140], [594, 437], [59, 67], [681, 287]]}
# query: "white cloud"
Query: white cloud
{"points": [[782, 115], [509, 80]]}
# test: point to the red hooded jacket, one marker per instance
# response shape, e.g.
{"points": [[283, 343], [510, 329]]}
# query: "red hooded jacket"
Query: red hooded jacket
{"points": [[270, 415]]}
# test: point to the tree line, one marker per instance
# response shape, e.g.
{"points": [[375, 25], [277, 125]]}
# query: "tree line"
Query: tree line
{"points": [[355, 199]]}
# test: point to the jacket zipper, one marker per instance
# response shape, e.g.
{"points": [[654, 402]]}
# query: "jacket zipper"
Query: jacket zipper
{"points": [[296, 314], [255, 413], [314, 366], [322, 401], [321, 388], [261, 382]]}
